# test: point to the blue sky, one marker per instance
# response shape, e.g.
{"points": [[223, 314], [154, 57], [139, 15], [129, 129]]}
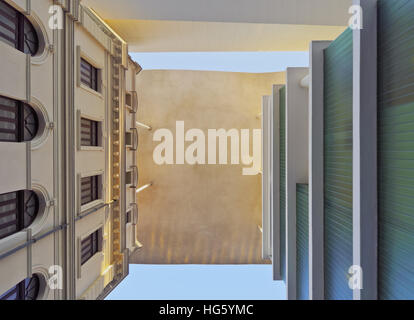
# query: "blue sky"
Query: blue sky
{"points": [[208, 282], [256, 62], [199, 282]]}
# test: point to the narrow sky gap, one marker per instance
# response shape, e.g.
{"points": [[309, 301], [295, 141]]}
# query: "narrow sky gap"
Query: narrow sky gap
{"points": [[199, 282], [251, 62]]}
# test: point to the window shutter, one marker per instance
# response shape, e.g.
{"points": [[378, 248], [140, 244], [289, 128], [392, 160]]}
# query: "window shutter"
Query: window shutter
{"points": [[18, 121], [89, 75], [17, 31]]}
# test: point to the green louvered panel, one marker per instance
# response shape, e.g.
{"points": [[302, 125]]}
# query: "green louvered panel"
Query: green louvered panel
{"points": [[338, 167], [302, 241], [396, 149], [282, 108]]}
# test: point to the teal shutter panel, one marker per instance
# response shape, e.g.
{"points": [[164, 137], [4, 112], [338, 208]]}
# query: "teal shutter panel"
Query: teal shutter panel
{"points": [[338, 167], [302, 241], [282, 110], [396, 149]]}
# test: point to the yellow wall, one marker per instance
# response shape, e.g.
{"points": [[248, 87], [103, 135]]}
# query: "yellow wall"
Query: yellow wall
{"points": [[202, 214]]}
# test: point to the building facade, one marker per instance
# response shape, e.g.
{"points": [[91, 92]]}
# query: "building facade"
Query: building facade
{"points": [[345, 226], [68, 141]]}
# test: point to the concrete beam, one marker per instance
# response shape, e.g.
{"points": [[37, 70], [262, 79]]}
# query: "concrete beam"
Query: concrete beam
{"points": [[302, 12]]}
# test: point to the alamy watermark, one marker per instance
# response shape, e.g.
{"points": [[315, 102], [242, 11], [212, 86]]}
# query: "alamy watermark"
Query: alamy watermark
{"points": [[355, 277], [56, 17], [196, 153], [55, 281], [356, 20]]}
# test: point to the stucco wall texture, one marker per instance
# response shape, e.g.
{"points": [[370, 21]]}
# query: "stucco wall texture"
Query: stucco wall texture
{"points": [[199, 214]]}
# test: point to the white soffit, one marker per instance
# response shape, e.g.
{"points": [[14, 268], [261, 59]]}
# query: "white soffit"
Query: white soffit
{"points": [[184, 36], [309, 12], [223, 25]]}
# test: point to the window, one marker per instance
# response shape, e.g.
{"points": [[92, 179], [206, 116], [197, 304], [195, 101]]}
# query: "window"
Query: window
{"points": [[131, 101], [18, 121], [28, 289], [129, 216], [89, 189], [18, 210], [89, 133], [89, 75], [91, 245], [17, 31]]}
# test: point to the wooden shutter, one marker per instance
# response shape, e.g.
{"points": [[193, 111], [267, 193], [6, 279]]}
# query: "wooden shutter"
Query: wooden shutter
{"points": [[18, 210], [89, 75], [91, 245], [302, 241], [338, 243], [17, 31], [9, 120], [18, 121], [8, 24], [282, 110], [396, 149], [9, 214], [89, 189], [89, 133]]}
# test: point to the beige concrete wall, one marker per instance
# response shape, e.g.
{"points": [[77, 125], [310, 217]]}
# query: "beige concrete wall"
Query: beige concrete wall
{"points": [[201, 214]]}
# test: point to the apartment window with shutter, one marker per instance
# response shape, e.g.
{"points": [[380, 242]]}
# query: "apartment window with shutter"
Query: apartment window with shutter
{"points": [[89, 189], [91, 245], [18, 121], [17, 31], [18, 210], [89, 133], [89, 75]]}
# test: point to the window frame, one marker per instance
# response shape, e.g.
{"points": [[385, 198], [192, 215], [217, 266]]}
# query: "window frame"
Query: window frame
{"points": [[93, 139], [100, 132], [93, 195], [20, 22], [93, 75], [93, 242], [19, 120], [19, 212], [101, 191]]}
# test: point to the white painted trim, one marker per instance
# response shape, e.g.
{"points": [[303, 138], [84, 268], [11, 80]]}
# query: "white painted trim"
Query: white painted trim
{"points": [[365, 198], [296, 163]]}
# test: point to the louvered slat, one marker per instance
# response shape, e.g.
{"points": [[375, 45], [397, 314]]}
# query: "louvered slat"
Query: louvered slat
{"points": [[338, 166], [396, 149], [302, 241]]}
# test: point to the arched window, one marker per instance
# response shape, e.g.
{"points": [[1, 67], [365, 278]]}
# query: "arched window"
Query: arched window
{"points": [[18, 210], [18, 121], [16, 30], [28, 289]]}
